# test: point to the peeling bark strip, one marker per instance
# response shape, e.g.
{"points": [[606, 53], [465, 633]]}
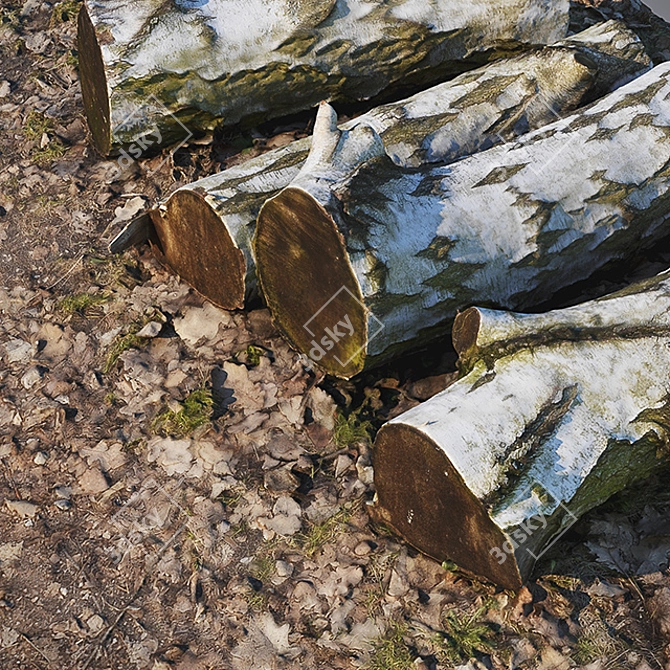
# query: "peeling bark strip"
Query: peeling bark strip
{"points": [[228, 60], [508, 227], [205, 229], [489, 474]]}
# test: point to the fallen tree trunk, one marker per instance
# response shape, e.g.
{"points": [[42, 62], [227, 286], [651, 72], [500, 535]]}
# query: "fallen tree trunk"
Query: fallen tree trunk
{"points": [[558, 412], [390, 254], [204, 229], [652, 29], [147, 68]]}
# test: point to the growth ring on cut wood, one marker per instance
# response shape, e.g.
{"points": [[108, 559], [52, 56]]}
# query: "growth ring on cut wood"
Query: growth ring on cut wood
{"points": [[450, 516], [197, 246], [301, 233]]}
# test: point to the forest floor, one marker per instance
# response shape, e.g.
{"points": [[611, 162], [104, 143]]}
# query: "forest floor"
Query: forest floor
{"points": [[177, 491]]}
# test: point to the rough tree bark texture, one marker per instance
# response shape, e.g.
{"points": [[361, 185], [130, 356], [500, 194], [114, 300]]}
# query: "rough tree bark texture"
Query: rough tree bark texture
{"points": [[209, 60], [394, 253], [205, 229], [558, 412], [652, 29]]}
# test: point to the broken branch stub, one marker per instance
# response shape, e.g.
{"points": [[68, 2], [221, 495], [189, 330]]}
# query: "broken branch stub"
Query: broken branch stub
{"points": [[153, 67], [205, 228], [558, 412], [400, 250]]}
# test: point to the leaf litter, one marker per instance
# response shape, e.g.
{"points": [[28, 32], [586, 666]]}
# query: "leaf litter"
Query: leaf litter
{"points": [[178, 491]]}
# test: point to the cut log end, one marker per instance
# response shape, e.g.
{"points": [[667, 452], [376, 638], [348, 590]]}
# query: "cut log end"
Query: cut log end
{"points": [[424, 499], [194, 243], [94, 84], [309, 285], [465, 330]]}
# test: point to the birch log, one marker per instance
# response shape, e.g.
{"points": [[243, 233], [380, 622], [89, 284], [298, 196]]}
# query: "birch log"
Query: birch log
{"points": [[146, 65], [387, 255], [652, 29], [558, 412], [204, 230]]}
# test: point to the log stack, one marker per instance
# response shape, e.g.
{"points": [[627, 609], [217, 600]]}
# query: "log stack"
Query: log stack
{"points": [[535, 159], [395, 252], [204, 230]]}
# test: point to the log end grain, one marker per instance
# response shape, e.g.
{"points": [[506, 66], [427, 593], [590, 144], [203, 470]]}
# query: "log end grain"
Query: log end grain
{"points": [[309, 284], [94, 84], [465, 330], [423, 498], [194, 243]]}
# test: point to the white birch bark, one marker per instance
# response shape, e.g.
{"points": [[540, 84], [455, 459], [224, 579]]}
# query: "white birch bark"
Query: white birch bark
{"points": [[651, 28], [442, 124], [558, 412], [507, 227], [146, 64]]}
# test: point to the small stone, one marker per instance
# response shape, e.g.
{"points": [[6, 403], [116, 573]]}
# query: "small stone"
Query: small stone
{"points": [[366, 473], [283, 568], [40, 458], [64, 492], [22, 507], [151, 330], [5, 89], [63, 505], [362, 549]]}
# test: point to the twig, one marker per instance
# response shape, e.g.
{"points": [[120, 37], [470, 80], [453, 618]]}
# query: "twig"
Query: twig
{"points": [[36, 648], [101, 642], [68, 273]]}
